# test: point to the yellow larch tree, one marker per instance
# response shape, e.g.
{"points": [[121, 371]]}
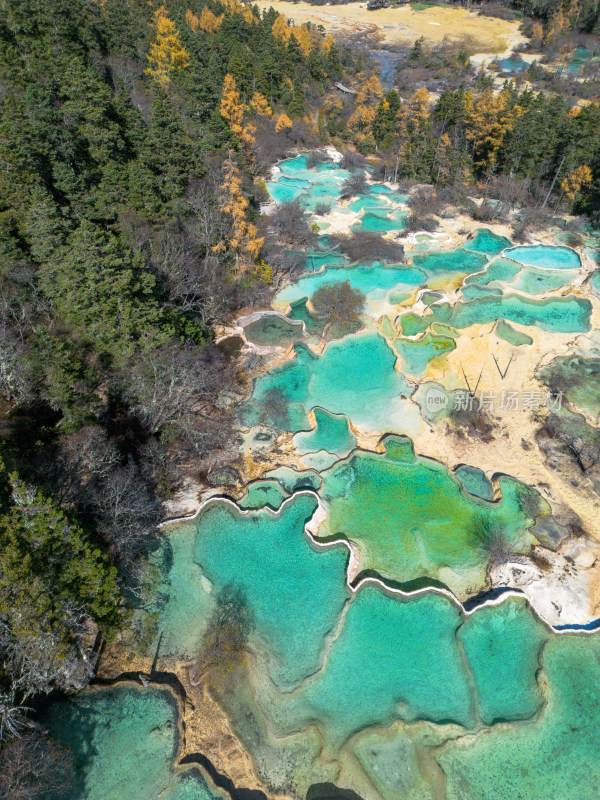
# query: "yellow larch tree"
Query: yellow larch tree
{"points": [[281, 29], [308, 38], [284, 123], [192, 20], [243, 238], [209, 22], [362, 118], [328, 42], [260, 105], [167, 54], [489, 120], [576, 181], [233, 111], [370, 90]]}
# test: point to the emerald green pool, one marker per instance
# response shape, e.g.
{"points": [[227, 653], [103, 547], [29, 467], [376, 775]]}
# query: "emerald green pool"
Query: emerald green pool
{"points": [[411, 518]]}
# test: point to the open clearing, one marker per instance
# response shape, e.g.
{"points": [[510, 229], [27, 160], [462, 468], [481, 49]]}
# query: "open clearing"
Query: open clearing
{"points": [[405, 24]]}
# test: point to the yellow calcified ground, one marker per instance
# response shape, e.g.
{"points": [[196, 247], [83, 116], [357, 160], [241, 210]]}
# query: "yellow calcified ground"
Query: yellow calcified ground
{"points": [[403, 25]]}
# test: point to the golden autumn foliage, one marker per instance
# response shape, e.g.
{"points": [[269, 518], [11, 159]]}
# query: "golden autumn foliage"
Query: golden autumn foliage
{"points": [[260, 105], [284, 123], [192, 20], [415, 110], [209, 22], [370, 90], [233, 111], [308, 38], [243, 239], [490, 119], [167, 54], [281, 29], [362, 118], [576, 181], [235, 7], [328, 43]]}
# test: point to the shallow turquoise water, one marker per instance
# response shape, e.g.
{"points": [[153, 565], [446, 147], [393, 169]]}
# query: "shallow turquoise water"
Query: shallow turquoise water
{"points": [[487, 242], [545, 256], [475, 482], [375, 223], [459, 260], [393, 658], [560, 314], [569, 314], [262, 494], [552, 760], [332, 433], [417, 353], [505, 331], [124, 742], [283, 192], [473, 290], [295, 593], [500, 269], [364, 279], [355, 377], [502, 645], [533, 280]]}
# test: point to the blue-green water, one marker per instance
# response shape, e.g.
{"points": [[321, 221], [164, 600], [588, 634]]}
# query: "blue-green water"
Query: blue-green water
{"points": [[295, 593], [124, 741], [364, 279], [487, 242], [331, 433], [545, 256], [569, 314], [355, 377]]}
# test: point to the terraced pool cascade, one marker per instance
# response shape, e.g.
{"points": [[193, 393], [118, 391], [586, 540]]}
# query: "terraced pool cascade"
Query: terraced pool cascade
{"points": [[367, 279], [412, 520], [568, 314], [458, 260], [124, 742], [356, 377], [550, 760], [405, 682], [374, 652], [544, 256]]}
